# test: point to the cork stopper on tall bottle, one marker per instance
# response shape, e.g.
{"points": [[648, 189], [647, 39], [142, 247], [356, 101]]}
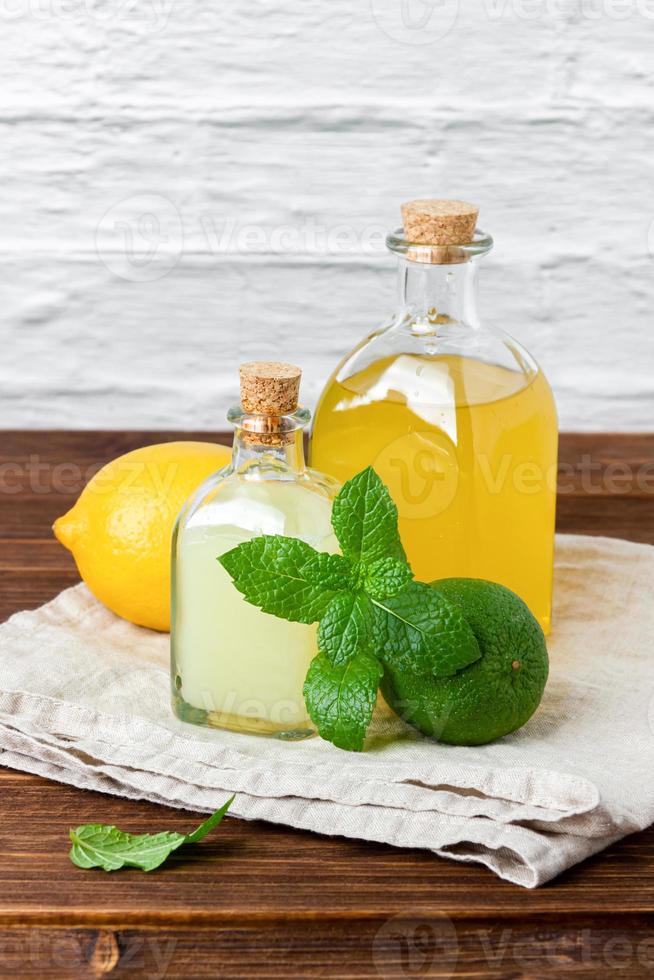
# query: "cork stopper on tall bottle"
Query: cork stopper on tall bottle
{"points": [[436, 222]]}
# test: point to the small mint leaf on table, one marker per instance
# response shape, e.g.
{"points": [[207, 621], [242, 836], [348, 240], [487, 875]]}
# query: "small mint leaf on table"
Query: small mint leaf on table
{"points": [[103, 846], [386, 577], [346, 627], [286, 577], [416, 631], [340, 700], [364, 519]]}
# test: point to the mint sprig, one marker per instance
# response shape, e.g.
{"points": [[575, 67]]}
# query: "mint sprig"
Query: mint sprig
{"points": [[370, 611], [102, 846]]}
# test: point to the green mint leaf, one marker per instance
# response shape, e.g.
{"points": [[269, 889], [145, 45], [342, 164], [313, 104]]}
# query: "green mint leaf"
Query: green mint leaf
{"points": [[97, 845], [286, 577], [364, 519], [386, 577], [340, 700], [414, 632], [101, 846], [330, 571], [208, 825], [346, 627]]}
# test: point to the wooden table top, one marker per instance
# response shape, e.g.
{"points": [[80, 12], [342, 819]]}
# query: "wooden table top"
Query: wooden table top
{"points": [[262, 901]]}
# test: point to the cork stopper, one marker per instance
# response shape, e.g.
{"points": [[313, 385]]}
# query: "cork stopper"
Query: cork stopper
{"points": [[270, 387], [439, 222]]}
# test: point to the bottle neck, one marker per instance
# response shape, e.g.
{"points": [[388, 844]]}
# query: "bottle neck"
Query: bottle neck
{"points": [[432, 294], [279, 452]]}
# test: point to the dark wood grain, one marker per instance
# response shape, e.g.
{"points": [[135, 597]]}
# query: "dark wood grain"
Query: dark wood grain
{"points": [[261, 901]]}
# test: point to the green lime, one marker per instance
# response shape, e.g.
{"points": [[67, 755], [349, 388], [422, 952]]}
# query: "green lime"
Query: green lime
{"points": [[493, 696]]}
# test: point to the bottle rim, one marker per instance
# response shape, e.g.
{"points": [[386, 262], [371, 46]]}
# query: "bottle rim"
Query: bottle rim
{"points": [[252, 422], [397, 242]]}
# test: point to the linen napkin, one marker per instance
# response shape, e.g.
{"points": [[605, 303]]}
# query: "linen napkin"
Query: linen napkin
{"points": [[84, 699]]}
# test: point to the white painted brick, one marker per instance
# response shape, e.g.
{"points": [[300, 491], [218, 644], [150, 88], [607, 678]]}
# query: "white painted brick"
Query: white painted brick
{"points": [[85, 348], [282, 115]]}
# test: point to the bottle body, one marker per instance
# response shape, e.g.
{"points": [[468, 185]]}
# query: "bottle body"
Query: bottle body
{"points": [[234, 666], [470, 468], [460, 423]]}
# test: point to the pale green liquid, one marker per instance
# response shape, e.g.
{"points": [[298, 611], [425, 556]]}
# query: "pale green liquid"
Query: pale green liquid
{"points": [[235, 666]]}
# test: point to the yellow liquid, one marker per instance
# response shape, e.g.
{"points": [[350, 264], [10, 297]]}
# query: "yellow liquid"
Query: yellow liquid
{"points": [[468, 451], [234, 666]]}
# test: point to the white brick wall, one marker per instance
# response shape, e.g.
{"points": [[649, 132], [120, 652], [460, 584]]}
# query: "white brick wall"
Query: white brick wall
{"points": [[305, 120]]}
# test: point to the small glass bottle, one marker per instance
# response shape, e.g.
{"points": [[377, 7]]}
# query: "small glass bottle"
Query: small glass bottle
{"points": [[234, 666], [457, 419]]}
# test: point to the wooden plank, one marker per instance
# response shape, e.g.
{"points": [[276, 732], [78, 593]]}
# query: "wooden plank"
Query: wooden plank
{"points": [[274, 873], [41, 475], [339, 949]]}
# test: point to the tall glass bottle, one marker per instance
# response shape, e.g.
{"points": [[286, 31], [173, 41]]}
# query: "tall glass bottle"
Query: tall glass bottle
{"points": [[234, 666], [457, 419]]}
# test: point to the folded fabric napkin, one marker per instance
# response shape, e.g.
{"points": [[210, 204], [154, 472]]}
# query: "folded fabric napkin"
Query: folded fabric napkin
{"points": [[84, 699]]}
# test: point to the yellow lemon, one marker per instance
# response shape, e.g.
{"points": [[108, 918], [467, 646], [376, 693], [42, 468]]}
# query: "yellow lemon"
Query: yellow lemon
{"points": [[119, 531]]}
